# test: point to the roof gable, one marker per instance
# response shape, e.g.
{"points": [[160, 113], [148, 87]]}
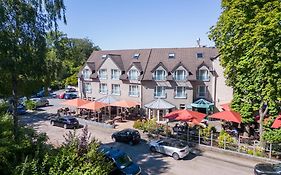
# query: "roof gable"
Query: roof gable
{"points": [[160, 64]]}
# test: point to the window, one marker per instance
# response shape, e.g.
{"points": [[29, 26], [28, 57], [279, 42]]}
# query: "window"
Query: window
{"points": [[103, 88], [203, 75], [86, 74], [133, 74], [171, 55], [159, 91], [103, 56], [115, 74], [182, 106], [180, 75], [199, 55], [134, 90], [160, 75], [180, 92], [136, 56], [202, 91], [88, 88], [102, 74], [115, 89]]}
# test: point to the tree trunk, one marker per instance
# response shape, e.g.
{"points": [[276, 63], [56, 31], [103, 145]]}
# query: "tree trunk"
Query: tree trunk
{"points": [[262, 114], [14, 107]]}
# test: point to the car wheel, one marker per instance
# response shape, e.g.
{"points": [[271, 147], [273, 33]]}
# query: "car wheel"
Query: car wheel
{"points": [[52, 123], [176, 156], [65, 126], [152, 149]]}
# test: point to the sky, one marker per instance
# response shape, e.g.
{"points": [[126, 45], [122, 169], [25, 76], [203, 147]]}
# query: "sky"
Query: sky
{"points": [[136, 24]]}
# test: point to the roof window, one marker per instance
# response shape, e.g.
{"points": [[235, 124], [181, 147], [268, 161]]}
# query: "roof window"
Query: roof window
{"points": [[171, 55], [200, 55], [136, 56]]}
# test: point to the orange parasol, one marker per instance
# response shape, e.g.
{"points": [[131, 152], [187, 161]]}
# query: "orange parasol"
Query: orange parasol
{"points": [[77, 102], [226, 107], [230, 116], [125, 104], [94, 105]]}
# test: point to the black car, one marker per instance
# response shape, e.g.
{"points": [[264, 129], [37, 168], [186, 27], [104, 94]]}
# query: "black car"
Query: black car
{"points": [[267, 169], [66, 122], [130, 136]]}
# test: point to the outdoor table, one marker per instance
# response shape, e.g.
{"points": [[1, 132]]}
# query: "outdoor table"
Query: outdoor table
{"points": [[118, 118], [109, 122]]}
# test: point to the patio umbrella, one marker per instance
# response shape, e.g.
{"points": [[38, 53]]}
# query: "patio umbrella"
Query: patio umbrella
{"points": [[230, 116], [107, 99], [125, 104], [94, 105], [226, 107], [77, 102], [277, 122], [186, 115]]}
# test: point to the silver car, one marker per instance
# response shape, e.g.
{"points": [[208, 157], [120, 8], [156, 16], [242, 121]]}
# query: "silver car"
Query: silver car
{"points": [[172, 147], [40, 102]]}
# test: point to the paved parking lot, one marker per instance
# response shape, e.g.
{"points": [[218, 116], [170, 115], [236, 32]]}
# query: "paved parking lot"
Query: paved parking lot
{"points": [[151, 163]]}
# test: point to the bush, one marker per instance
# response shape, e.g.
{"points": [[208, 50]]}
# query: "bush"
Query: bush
{"points": [[225, 137], [30, 105], [138, 124], [3, 107], [272, 136]]}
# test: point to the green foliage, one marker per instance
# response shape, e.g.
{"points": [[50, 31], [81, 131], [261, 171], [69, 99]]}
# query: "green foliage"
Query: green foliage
{"points": [[247, 35], [30, 105], [272, 136], [206, 132], [3, 107], [138, 124], [225, 139]]}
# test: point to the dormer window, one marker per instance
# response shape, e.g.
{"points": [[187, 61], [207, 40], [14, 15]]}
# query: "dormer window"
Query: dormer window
{"points": [[180, 75], [160, 75], [102, 74], [171, 55], [86, 74], [203, 75], [136, 56], [103, 56], [115, 74], [199, 55], [133, 74]]}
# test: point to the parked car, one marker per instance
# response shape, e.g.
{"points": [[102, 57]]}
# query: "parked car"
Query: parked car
{"points": [[130, 136], [172, 147], [61, 95], [121, 161], [40, 102], [267, 169], [21, 110], [65, 122], [70, 89], [70, 96]]}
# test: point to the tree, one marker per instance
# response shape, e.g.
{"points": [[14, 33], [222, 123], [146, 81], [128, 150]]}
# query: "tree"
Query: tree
{"points": [[23, 27], [248, 36]]}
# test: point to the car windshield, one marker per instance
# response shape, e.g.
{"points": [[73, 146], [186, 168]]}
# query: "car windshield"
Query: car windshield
{"points": [[72, 120], [277, 167], [123, 161], [179, 144]]}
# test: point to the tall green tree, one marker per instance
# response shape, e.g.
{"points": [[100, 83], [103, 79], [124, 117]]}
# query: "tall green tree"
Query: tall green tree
{"points": [[248, 36], [23, 28]]}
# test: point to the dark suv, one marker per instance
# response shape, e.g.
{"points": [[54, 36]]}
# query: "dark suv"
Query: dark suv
{"points": [[130, 136], [66, 122]]}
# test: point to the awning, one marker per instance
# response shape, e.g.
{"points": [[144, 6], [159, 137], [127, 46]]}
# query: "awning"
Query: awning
{"points": [[107, 99], [77, 102], [125, 103], [186, 115], [201, 103], [226, 107], [94, 105], [159, 104]]}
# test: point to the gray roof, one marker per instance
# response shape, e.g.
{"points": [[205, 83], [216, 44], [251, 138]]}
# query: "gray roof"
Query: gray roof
{"points": [[159, 104], [149, 59]]}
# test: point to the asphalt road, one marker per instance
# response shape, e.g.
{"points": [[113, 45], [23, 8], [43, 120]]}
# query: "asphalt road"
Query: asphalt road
{"points": [[151, 163]]}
